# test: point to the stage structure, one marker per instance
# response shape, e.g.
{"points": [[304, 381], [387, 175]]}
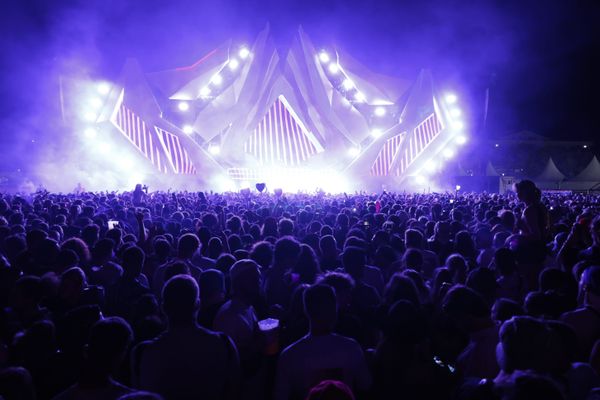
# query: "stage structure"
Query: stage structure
{"points": [[307, 117]]}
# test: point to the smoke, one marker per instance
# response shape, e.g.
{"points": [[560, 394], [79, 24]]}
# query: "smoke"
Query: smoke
{"points": [[521, 52]]}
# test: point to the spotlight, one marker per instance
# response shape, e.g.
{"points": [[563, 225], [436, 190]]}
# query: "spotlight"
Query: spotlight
{"points": [[217, 79], [430, 165], [348, 84], [103, 88], [399, 120], [448, 153], [461, 139], [379, 111], [497, 145], [359, 97], [188, 129], [458, 125], [90, 116], [214, 149], [376, 133], [205, 91], [244, 53], [420, 179], [126, 163], [183, 106], [457, 188], [451, 98], [324, 57], [334, 68], [353, 151], [455, 112], [585, 146], [103, 148], [90, 133], [233, 64], [96, 103]]}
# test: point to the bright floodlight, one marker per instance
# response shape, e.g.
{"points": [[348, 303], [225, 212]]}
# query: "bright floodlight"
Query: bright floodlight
{"points": [[347, 84], [90, 116], [430, 165], [103, 88], [233, 64], [183, 106], [96, 103], [188, 129], [217, 79], [376, 133], [353, 151], [334, 68], [244, 53], [451, 98], [359, 96], [455, 112], [214, 149], [205, 91], [497, 145], [420, 179], [379, 111], [90, 133], [457, 188], [461, 139], [458, 125], [103, 148], [126, 163], [448, 153], [585, 146], [324, 57]]}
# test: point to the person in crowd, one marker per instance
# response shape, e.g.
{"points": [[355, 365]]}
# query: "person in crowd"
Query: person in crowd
{"points": [[186, 361], [325, 276], [320, 355]]}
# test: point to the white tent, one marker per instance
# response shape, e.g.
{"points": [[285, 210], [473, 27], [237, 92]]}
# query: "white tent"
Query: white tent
{"points": [[490, 170], [551, 177], [591, 173]]}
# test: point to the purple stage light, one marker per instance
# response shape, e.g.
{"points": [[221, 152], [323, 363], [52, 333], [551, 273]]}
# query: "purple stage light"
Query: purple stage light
{"points": [[451, 98], [324, 57], [379, 111], [188, 129], [244, 53]]}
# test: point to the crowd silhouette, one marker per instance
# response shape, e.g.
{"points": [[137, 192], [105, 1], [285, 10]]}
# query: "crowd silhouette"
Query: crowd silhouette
{"points": [[197, 295]]}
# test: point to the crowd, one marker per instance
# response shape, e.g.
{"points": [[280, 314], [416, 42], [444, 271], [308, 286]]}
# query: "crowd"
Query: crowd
{"points": [[198, 295]]}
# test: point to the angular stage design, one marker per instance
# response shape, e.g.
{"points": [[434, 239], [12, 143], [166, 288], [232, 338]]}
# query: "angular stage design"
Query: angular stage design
{"points": [[305, 117]]}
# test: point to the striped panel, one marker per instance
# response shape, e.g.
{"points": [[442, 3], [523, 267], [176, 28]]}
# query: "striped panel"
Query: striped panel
{"points": [[383, 162], [176, 154], [138, 133], [422, 136], [279, 139]]}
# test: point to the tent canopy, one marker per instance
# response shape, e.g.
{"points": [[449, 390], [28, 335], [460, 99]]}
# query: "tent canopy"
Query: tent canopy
{"points": [[550, 173], [591, 173]]}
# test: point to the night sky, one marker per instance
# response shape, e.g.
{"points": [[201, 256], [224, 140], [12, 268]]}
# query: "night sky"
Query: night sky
{"points": [[541, 59]]}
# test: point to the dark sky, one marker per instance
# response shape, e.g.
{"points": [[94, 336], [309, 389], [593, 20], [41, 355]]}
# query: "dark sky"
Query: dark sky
{"points": [[541, 58]]}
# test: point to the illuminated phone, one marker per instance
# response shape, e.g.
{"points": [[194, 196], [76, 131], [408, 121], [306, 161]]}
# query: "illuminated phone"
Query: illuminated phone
{"points": [[112, 224]]}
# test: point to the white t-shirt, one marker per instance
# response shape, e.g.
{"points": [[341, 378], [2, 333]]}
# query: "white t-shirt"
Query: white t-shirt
{"points": [[314, 359]]}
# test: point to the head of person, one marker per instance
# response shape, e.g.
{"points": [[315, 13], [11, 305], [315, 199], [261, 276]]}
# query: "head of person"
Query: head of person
{"points": [[527, 192], [522, 345], [328, 246], [245, 280], [413, 239], [589, 287], [466, 307], [108, 344], [320, 307], [133, 262], [180, 300], [285, 227], [262, 253], [354, 260], [187, 245], [342, 284], [330, 390], [307, 265], [504, 309], [287, 250], [595, 230], [212, 285]]}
